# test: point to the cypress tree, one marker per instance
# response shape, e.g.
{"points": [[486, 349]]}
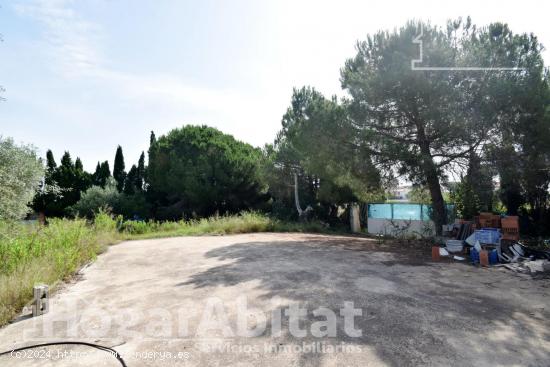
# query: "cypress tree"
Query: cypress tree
{"points": [[118, 170], [140, 176], [66, 161], [78, 165], [131, 182], [103, 174], [45, 200], [50, 161], [97, 173], [66, 177]]}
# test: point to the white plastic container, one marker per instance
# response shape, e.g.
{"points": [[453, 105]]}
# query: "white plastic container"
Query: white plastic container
{"points": [[454, 245]]}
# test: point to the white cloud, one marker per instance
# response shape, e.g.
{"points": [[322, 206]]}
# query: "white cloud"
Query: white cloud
{"points": [[76, 51], [72, 40]]}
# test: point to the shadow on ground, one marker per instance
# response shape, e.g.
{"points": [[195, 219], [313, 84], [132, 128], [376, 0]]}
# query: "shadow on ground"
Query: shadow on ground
{"points": [[414, 312]]}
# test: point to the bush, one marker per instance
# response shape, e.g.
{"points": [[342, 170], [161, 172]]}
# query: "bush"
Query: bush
{"points": [[20, 174], [97, 198], [108, 199]]}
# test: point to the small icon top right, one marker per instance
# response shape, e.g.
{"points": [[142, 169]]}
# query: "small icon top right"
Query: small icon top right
{"points": [[415, 62]]}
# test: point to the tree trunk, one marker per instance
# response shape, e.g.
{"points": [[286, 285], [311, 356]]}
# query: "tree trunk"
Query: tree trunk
{"points": [[432, 180], [438, 204], [296, 197], [41, 218]]}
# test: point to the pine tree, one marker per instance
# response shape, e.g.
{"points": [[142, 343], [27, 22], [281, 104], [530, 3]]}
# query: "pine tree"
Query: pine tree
{"points": [[152, 138], [118, 170]]}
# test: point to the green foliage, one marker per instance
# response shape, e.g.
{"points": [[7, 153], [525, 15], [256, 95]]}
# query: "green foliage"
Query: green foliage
{"points": [[63, 186], [133, 206], [134, 182], [131, 185], [420, 194], [315, 143], [118, 169], [423, 123], [317, 132], [98, 198], [101, 174], [198, 171], [245, 222], [140, 175], [466, 200], [410, 117], [479, 178], [50, 161], [20, 174]]}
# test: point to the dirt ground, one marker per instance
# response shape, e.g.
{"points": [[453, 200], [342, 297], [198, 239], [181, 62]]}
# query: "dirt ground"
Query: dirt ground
{"points": [[148, 299]]}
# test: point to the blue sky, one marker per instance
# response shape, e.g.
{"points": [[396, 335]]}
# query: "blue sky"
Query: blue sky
{"points": [[85, 76]]}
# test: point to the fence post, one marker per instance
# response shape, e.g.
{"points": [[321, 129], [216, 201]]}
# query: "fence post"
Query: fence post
{"points": [[355, 222], [391, 206]]}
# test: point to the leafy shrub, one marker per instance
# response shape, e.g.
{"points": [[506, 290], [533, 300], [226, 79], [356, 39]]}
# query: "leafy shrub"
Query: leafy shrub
{"points": [[97, 198], [20, 174]]}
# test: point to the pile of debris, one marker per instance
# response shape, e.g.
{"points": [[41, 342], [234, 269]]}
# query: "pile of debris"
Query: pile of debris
{"points": [[523, 259], [492, 240]]}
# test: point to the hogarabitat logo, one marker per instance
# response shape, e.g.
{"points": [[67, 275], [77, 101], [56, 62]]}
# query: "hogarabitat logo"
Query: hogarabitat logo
{"points": [[217, 318], [302, 348]]}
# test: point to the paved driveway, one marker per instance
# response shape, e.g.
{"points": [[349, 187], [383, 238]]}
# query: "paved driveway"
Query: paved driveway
{"points": [[233, 301]]}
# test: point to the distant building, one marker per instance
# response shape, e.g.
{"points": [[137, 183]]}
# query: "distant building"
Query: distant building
{"points": [[400, 193]]}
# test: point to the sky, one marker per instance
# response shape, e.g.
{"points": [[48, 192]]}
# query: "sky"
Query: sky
{"points": [[88, 75]]}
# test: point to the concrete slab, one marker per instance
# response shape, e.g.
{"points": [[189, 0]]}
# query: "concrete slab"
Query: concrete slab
{"points": [[179, 302]]}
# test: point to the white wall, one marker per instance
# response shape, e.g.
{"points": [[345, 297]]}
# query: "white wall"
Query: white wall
{"points": [[414, 228]]}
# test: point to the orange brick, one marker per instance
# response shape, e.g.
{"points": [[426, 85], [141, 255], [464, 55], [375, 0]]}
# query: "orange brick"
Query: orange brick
{"points": [[435, 253], [484, 258]]}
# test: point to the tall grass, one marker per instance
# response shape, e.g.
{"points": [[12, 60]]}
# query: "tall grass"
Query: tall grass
{"points": [[31, 254], [245, 222]]}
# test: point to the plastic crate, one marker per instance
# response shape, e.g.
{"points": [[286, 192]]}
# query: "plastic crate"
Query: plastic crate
{"points": [[474, 256], [487, 235], [492, 255]]}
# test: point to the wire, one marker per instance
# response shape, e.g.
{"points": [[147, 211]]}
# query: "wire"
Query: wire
{"points": [[97, 346]]}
